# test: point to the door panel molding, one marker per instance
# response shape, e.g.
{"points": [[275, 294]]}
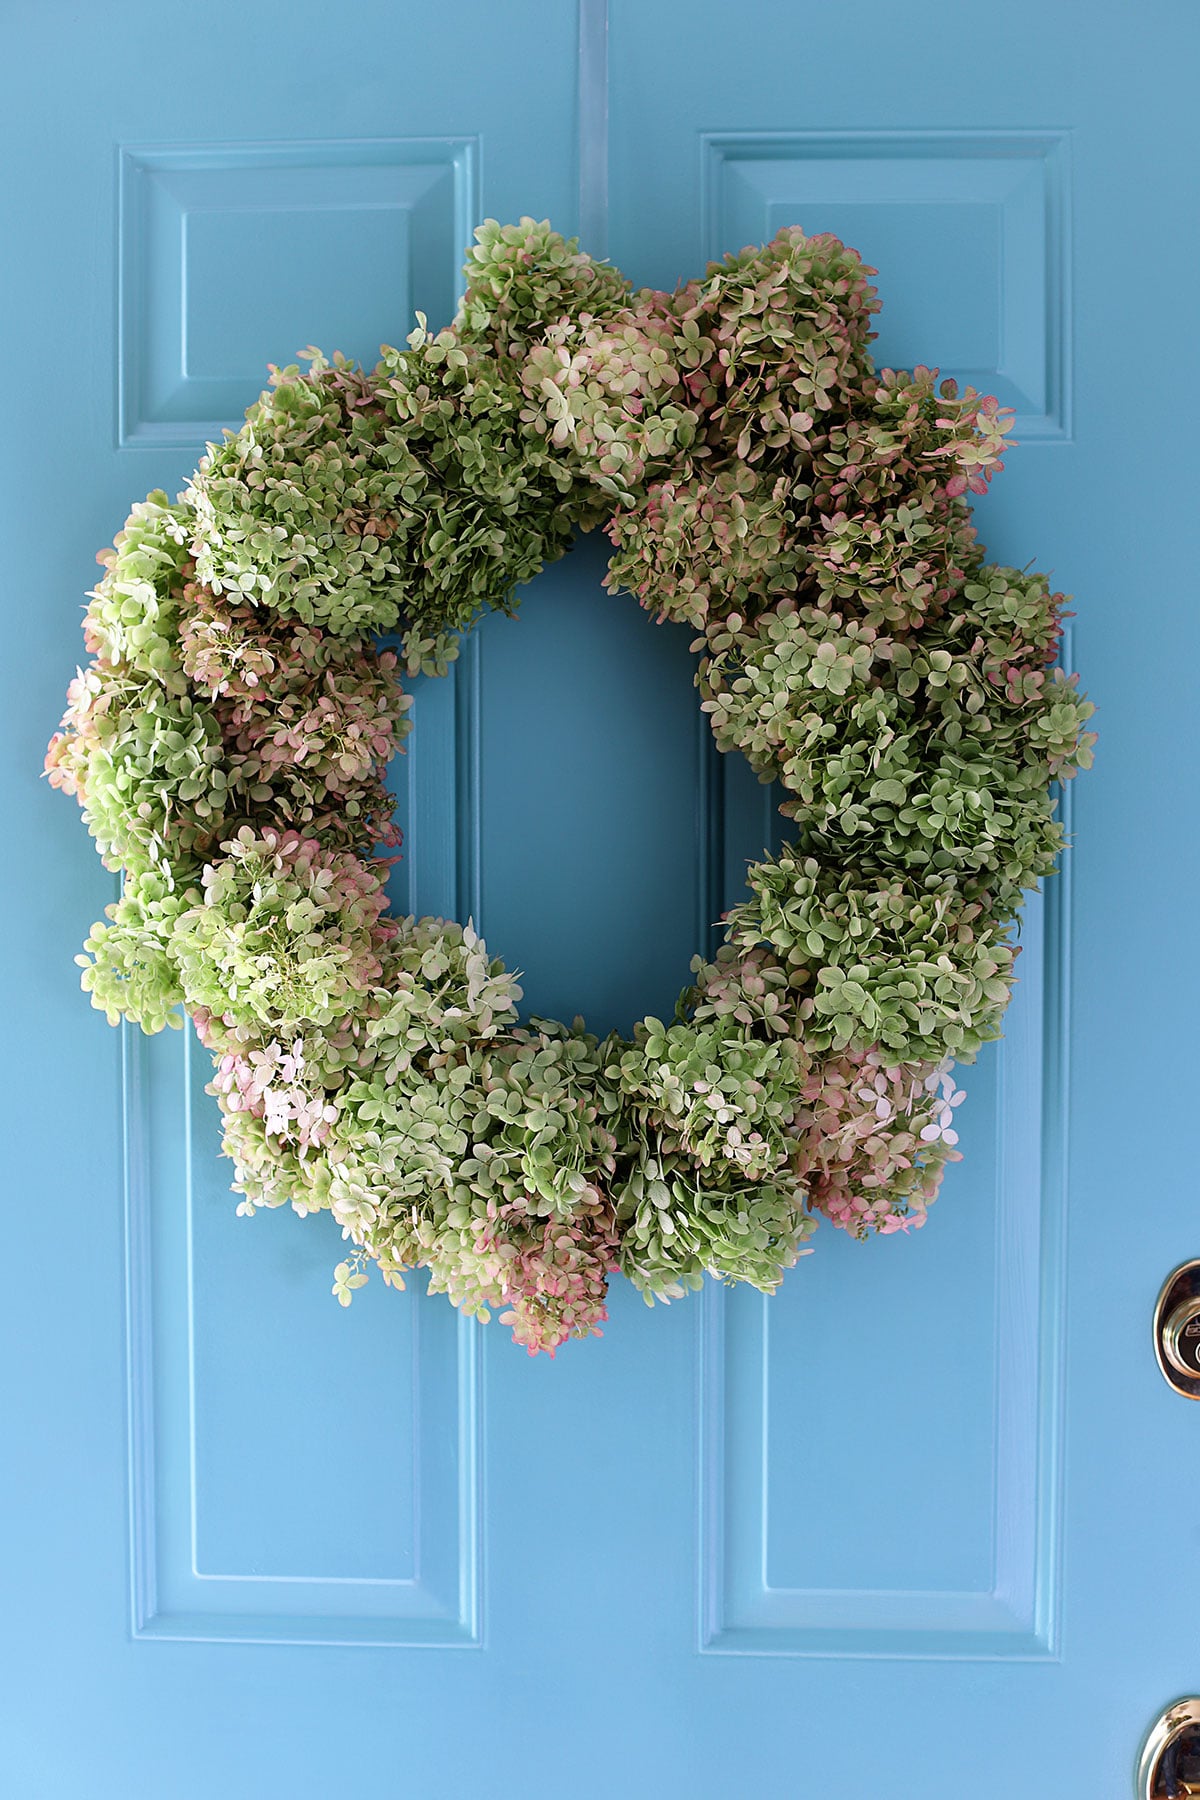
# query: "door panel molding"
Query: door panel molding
{"points": [[377, 224], [982, 218], [1014, 1612]]}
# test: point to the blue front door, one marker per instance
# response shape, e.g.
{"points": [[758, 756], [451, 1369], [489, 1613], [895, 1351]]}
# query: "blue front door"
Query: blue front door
{"points": [[920, 1527]]}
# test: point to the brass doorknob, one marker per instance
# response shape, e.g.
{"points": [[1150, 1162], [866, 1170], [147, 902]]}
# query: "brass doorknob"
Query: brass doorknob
{"points": [[1169, 1767], [1177, 1330], [1181, 1336]]}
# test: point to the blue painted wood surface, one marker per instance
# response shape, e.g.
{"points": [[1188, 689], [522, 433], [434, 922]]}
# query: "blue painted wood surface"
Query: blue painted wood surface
{"points": [[924, 1524]]}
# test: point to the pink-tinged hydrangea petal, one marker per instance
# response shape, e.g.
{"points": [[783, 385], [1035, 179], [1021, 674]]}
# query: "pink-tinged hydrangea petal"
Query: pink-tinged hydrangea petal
{"points": [[847, 1151]]}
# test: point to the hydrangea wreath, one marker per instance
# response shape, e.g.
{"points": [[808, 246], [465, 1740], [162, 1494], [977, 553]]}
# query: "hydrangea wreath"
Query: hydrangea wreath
{"points": [[808, 516]]}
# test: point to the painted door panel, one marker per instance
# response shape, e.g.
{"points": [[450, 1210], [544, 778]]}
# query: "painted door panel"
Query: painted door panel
{"points": [[919, 1526]]}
